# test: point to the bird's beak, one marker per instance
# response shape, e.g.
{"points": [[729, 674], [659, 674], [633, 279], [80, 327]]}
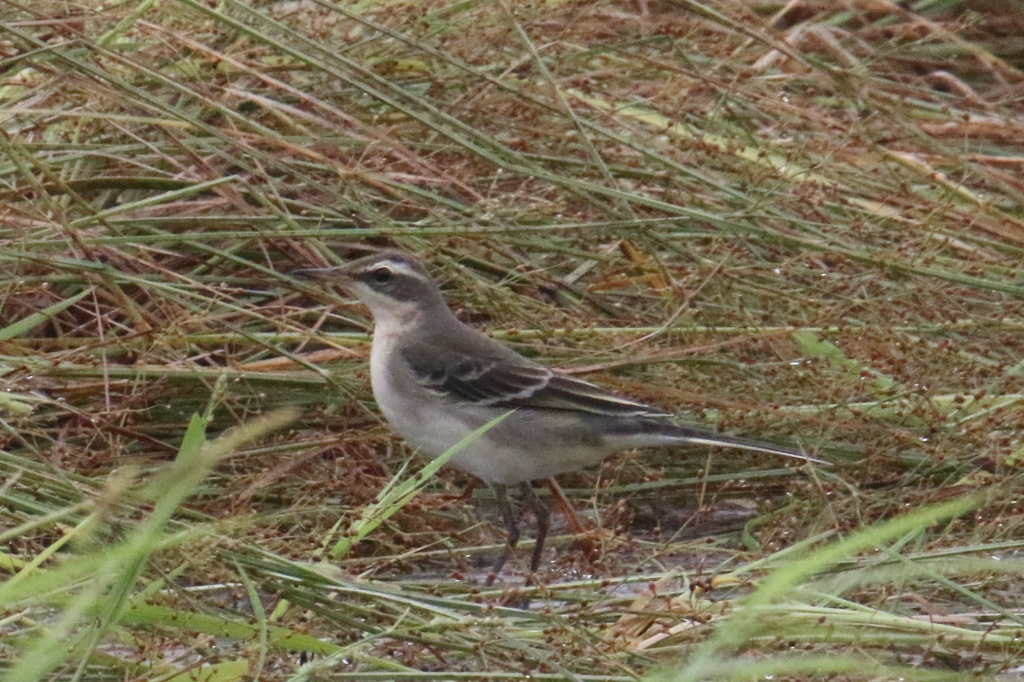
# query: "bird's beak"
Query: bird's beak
{"points": [[339, 275]]}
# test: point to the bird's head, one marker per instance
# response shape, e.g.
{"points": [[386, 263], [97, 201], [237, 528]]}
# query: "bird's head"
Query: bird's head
{"points": [[390, 283]]}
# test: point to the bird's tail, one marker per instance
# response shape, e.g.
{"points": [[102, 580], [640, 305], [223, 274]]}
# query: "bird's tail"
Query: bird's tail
{"points": [[663, 432], [705, 437]]}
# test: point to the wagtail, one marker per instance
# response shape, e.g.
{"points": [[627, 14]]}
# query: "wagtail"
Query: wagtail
{"points": [[437, 380]]}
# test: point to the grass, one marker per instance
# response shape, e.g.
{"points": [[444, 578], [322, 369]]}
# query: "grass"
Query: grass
{"points": [[796, 221]]}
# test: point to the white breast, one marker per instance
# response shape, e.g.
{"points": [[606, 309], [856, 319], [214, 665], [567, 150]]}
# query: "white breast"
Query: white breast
{"points": [[425, 424]]}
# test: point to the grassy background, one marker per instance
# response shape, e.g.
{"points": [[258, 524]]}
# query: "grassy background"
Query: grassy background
{"points": [[802, 221]]}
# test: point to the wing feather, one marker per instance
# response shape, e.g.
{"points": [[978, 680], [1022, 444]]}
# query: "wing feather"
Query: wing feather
{"points": [[514, 382]]}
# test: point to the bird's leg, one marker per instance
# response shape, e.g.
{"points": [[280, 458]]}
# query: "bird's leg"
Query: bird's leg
{"points": [[511, 524], [543, 514]]}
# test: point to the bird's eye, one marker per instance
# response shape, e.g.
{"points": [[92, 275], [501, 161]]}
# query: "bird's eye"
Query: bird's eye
{"points": [[382, 275]]}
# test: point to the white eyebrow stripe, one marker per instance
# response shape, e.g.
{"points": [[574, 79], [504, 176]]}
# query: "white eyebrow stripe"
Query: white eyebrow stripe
{"points": [[397, 267], [402, 268]]}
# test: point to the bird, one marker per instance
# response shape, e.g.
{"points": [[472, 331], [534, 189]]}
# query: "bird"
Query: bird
{"points": [[437, 380]]}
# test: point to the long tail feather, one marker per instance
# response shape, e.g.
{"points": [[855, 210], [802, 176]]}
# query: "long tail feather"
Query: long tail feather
{"points": [[704, 437], [645, 432]]}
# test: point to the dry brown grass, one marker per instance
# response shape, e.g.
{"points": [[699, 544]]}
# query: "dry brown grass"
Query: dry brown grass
{"points": [[659, 194]]}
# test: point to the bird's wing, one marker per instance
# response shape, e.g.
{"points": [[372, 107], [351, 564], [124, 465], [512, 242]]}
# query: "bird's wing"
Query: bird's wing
{"points": [[514, 382]]}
